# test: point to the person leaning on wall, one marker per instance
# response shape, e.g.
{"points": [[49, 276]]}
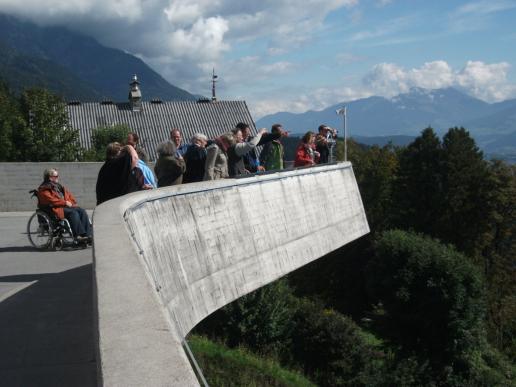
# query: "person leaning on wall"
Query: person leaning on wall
{"points": [[119, 174]]}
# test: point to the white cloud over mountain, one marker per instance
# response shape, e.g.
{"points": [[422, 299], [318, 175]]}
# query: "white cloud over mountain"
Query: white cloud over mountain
{"points": [[181, 37], [249, 44], [485, 81]]}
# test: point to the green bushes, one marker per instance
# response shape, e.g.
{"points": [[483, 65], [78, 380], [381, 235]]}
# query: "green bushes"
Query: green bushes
{"points": [[332, 349], [237, 367], [101, 137], [433, 301], [302, 334]]}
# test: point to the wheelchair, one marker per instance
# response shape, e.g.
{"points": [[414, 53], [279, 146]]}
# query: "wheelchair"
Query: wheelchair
{"points": [[47, 232]]}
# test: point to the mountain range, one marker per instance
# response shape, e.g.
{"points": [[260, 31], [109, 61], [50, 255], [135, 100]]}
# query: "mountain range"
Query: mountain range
{"points": [[77, 67], [74, 66], [379, 120]]}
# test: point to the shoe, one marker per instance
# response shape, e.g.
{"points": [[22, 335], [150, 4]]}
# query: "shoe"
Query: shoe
{"points": [[82, 239]]}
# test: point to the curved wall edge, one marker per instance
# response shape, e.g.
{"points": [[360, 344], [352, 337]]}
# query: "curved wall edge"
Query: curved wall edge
{"points": [[165, 259]]}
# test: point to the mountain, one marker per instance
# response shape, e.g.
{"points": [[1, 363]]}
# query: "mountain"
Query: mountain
{"points": [[492, 125], [21, 72], [405, 114], [73, 65]]}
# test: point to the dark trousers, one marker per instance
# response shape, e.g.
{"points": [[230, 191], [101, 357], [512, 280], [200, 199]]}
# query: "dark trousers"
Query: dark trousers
{"points": [[79, 221]]}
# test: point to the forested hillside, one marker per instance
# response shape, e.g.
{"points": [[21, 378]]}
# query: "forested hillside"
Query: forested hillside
{"points": [[74, 66], [427, 299]]}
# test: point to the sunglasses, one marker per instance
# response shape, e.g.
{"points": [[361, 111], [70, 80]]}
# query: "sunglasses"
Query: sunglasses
{"points": [[54, 176]]}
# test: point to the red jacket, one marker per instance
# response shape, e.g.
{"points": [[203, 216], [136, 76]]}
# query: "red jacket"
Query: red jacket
{"points": [[303, 156], [48, 195]]}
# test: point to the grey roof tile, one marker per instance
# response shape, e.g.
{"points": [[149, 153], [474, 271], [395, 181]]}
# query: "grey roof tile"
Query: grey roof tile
{"points": [[155, 120]]}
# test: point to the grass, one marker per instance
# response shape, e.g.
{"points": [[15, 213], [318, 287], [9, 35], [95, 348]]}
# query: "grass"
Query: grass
{"points": [[222, 366]]}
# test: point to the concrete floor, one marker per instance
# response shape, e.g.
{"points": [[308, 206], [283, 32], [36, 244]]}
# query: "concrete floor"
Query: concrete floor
{"points": [[46, 312]]}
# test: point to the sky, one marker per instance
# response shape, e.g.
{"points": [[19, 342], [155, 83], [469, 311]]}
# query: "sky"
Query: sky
{"points": [[288, 55]]}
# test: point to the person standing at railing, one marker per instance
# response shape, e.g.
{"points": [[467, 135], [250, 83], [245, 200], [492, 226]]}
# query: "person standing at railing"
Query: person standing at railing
{"points": [[236, 152], [216, 166], [195, 158], [273, 155], [306, 154], [119, 174], [324, 141], [170, 167], [177, 138]]}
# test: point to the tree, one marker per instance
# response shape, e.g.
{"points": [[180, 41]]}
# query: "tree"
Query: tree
{"points": [[433, 298], [104, 135], [376, 173], [418, 192], [10, 123], [464, 216], [499, 257], [332, 349], [259, 320], [46, 135]]}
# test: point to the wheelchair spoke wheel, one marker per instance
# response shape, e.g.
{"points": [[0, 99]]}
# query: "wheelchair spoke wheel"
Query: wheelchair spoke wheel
{"points": [[39, 230]]}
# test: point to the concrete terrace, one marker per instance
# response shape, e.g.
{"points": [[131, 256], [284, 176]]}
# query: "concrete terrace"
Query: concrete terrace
{"points": [[163, 260], [46, 314]]}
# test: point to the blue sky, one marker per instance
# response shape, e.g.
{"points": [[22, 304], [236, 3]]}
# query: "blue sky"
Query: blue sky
{"points": [[285, 55]]}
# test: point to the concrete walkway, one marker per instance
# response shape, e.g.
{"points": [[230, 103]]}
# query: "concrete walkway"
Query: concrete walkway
{"points": [[46, 312]]}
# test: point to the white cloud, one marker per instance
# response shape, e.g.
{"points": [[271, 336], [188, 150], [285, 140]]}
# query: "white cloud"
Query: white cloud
{"points": [[57, 11], [485, 81], [204, 41], [181, 39], [302, 100], [485, 7]]}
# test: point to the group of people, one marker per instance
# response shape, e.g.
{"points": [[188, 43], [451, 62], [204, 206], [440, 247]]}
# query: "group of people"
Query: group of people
{"points": [[231, 154]]}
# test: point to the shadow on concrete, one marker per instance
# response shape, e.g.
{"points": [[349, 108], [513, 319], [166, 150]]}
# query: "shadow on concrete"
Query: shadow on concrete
{"points": [[47, 336], [16, 249]]}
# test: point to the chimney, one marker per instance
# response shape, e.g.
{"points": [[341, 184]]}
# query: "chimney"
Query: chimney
{"points": [[135, 95]]}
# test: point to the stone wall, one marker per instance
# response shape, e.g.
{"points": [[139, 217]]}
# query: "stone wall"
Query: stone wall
{"points": [[20, 178], [166, 259]]}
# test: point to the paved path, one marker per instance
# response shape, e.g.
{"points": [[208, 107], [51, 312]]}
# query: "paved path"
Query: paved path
{"points": [[46, 312]]}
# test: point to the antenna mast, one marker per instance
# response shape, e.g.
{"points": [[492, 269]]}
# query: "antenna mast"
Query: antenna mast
{"points": [[213, 80]]}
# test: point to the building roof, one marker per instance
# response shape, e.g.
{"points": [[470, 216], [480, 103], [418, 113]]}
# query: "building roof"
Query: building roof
{"points": [[154, 120]]}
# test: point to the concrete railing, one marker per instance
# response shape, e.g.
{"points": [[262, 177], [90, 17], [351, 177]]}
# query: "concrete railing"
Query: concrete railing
{"points": [[166, 259]]}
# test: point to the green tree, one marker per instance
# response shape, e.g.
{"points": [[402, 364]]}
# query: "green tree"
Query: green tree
{"points": [[10, 123], [376, 173], [332, 349], [499, 257], [433, 298], [418, 192], [102, 136], [464, 213], [46, 136], [259, 320]]}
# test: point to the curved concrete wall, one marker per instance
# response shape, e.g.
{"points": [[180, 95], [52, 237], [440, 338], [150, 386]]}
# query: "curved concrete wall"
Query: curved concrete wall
{"points": [[166, 259]]}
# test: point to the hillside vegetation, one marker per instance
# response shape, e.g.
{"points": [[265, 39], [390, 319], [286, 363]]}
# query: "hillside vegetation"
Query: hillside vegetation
{"points": [[427, 299]]}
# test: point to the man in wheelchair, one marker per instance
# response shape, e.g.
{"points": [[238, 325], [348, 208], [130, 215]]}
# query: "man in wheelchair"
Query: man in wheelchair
{"points": [[62, 203]]}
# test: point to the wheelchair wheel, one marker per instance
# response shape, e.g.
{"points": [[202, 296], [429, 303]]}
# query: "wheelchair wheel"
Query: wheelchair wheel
{"points": [[57, 243], [39, 230]]}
